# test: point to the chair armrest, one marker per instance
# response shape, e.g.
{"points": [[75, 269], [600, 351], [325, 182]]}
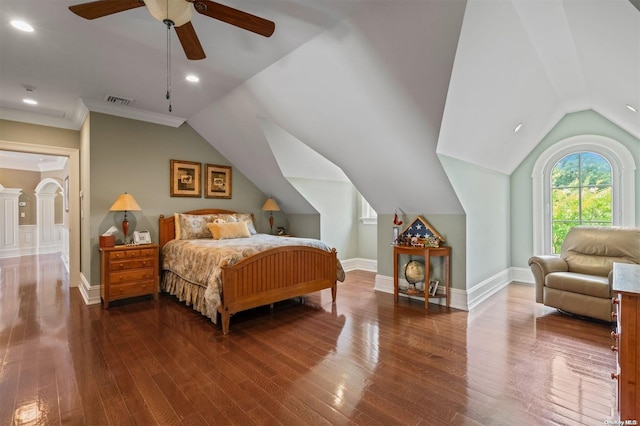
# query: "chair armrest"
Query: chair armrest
{"points": [[543, 265]]}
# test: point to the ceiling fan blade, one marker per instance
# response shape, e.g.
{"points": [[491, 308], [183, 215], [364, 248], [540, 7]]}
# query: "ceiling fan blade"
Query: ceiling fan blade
{"points": [[189, 41], [235, 17], [100, 8]]}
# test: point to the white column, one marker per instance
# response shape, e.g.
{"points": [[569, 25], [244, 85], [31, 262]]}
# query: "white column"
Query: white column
{"points": [[9, 236]]}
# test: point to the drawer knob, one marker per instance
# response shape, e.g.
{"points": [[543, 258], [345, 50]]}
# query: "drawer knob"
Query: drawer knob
{"points": [[615, 376], [615, 301], [614, 315], [614, 335], [614, 348]]}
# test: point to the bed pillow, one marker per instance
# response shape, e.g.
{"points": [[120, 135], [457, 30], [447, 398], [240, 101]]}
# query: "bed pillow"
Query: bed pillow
{"points": [[176, 221], [192, 227], [222, 231], [247, 217]]}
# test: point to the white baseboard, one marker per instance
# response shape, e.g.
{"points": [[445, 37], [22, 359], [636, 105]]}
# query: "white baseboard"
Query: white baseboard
{"points": [[358, 263], [485, 289], [90, 294], [522, 275], [384, 284], [467, 300]]}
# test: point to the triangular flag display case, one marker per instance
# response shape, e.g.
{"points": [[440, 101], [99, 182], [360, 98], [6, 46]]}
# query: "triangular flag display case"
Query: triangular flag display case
{"points": [[420, 232]]}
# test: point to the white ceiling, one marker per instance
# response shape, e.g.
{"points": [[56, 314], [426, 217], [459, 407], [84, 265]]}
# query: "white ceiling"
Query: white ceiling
{"points": [[32, 162], [68, 58], [375, 86]]}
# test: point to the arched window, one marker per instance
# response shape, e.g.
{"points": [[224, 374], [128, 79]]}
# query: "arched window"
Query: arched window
{"points": [[572, 157], [581, 194]]}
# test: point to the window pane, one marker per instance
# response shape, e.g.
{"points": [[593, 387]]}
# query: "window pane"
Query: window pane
{"points": [[565, 203], [596, 204], [559, 233], [566, 172], [595, 170]]}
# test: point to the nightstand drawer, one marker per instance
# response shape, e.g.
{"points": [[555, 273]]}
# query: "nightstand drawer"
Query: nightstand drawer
{"points": [[124, 254], [131, 264], [121, 291], [131, 275]]}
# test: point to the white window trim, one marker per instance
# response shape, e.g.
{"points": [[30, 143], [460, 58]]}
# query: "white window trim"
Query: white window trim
{"points": [[368, 216], [623, 184]]}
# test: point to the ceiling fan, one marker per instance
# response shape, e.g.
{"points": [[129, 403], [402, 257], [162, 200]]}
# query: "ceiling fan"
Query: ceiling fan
{"points": [[178, 13]]}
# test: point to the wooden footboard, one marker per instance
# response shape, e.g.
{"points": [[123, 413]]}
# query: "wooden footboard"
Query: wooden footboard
{"points": [[274, 275]]}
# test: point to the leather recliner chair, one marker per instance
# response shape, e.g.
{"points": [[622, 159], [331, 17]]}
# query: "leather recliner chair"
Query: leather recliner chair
{"points": [[579, 280]]}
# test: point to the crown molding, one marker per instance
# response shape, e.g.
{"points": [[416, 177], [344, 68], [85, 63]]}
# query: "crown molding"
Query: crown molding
{"points": [[11, 114], [132, 113]]}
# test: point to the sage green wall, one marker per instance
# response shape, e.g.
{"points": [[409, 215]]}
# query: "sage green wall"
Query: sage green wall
{"points": [[133, 156], [484, 195], [450, 226], [303, 225], [336, 203], [579, 123]]}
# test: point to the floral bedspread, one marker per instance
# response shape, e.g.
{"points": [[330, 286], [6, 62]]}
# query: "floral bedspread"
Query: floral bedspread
{"points": [[196, 262]]}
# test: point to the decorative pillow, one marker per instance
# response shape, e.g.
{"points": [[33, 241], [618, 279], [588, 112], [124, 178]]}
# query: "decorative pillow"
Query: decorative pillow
{"points": [[222, 231], [247, 217], [176, 220], [221, 218], [193, 227]]}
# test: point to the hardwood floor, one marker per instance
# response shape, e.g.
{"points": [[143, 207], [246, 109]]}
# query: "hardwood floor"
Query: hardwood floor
{"points": [[363, 360]]}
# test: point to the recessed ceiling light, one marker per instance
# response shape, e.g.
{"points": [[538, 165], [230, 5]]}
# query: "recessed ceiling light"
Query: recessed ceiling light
{"points": [[30, 101], [631, 108], [192, 78], [22, 26], [517, 128]]}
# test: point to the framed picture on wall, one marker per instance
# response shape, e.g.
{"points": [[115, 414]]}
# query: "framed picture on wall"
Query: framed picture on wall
{"points": [[218, 181], [185, 178]]}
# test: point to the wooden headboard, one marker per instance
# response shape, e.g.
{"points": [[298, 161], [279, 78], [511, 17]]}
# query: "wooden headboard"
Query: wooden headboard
{"points": [[167, 225]]}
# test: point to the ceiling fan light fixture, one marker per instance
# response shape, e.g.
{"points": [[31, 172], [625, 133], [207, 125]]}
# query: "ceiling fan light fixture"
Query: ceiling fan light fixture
{"points": [[177, 11]]}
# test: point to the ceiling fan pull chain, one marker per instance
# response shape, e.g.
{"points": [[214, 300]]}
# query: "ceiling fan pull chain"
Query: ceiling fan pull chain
{"points": [[169, 23]]}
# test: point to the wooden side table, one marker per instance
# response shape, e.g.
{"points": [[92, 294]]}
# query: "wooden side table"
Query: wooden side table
{"points": [[427, 253]]}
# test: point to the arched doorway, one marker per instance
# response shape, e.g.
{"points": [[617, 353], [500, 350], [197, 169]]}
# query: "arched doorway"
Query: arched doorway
{"points": [[52, 235]]}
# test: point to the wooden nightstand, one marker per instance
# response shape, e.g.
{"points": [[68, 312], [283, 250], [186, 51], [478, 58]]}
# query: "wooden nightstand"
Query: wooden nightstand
{"points": [[128, 271]]}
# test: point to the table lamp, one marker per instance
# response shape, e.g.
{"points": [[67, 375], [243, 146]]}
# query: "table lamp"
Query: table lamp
{"points": [[124, 203], [271, 206]]}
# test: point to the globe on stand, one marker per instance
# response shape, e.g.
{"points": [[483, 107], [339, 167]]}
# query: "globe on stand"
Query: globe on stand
{"points": [[414, 273]]}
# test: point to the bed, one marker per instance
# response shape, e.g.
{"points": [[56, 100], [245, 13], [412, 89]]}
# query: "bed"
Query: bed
{"points": [[226, 275]]}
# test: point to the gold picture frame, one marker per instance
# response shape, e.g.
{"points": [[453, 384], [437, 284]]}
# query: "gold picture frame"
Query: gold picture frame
{"points": [[217, 181], [185, 178]]}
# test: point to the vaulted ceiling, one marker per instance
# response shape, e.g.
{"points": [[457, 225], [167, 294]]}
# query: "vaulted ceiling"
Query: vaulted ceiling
{"points": [[377, 87]]}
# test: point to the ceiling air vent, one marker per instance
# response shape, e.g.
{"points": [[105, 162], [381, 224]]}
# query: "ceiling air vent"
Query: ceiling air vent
{"points": [[117, 100]]}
